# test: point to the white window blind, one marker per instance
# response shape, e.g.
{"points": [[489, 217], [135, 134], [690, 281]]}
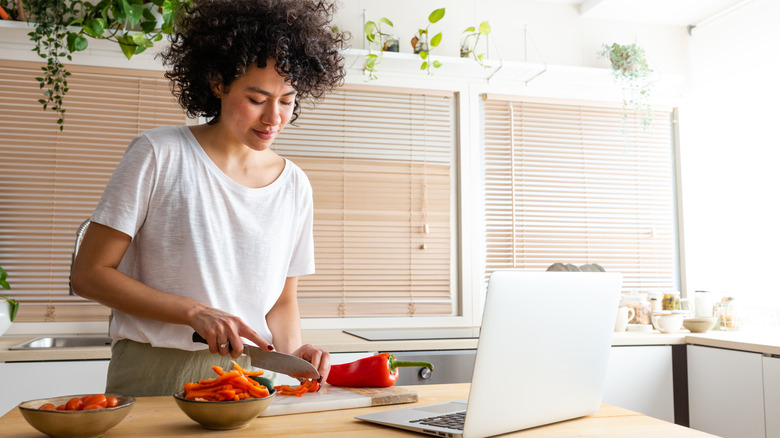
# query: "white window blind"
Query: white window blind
{"points": [[381, 167], [574, 183], [51, 180]]}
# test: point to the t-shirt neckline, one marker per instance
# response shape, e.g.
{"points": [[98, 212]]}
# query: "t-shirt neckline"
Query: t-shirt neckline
{"points": [[217, 171]]}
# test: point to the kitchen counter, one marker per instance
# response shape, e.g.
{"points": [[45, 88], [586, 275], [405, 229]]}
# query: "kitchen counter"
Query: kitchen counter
{"points": [[334, 341], [159, 417]]}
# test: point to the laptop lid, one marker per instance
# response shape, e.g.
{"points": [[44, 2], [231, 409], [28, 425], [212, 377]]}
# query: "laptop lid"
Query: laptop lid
{"points": [[542, 355], [543, 349]]}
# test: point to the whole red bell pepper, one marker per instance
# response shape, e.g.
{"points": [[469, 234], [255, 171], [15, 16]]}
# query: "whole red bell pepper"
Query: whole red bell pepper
{"points": [[380, 370]]}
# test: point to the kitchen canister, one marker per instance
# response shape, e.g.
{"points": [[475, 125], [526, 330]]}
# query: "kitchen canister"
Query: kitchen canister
{"points": [[703, 303]]}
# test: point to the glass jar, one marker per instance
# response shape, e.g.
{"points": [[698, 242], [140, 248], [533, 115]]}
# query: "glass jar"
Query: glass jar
{"points": [[671, 301], [390, 43], [641, 305], [726, 312]]}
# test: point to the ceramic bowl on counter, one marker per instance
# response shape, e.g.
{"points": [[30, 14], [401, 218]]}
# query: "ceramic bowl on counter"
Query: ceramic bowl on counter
{"points": [[700, 324], [667, 321], [225, 415], [74, 424]]}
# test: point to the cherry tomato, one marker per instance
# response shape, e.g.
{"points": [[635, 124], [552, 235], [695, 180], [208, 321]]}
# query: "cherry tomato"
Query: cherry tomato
{"points": [[47, 407], [61, 407], [74, 404], [111, 402], [92, 407], [97, 399]]}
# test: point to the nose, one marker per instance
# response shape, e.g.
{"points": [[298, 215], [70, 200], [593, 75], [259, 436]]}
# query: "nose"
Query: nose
{"points": [[273, 115]]}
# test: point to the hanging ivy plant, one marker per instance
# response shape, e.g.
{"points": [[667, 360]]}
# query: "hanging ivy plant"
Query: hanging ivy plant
{"points": [[469, 41], [422, 46], [632, 72], [384, 39], [62, 27]]}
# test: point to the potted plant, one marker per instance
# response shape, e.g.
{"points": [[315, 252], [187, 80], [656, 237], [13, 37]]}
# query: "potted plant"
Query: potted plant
{"points": [[422, 45], [631, 71], [8, 306], [470, 39], [385, 40], [61, 27]]}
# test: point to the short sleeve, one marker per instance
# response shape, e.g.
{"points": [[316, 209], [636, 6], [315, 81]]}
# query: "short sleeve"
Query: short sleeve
{"points": [[302, 259], [125, 200]]}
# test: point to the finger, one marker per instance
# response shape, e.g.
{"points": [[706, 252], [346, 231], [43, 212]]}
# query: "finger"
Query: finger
{"points": [[223, 347], [237, 345], [324, 366], [252, 335]]}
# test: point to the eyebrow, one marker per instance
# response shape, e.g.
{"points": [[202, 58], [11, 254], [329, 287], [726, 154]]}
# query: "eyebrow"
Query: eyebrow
{"points": [[266, 93]]}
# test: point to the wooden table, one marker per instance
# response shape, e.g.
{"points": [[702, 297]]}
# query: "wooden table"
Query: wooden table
{"points": [[160, 417]]}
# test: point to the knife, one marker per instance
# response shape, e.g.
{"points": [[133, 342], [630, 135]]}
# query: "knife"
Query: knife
{"points": [[273, 361]]}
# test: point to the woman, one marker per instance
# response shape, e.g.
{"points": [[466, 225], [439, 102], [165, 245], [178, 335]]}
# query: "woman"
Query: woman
{"points": [[204, 228]]}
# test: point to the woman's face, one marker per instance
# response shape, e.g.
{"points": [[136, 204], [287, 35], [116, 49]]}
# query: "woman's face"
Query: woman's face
{"points": [[256, 107]]}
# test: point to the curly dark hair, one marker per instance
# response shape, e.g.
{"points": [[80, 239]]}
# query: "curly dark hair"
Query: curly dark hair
{"points": [[216, 41]]}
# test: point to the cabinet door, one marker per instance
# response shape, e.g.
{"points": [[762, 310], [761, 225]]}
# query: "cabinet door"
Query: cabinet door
{"points": [[726, 392], [31, 380], [639, 378], [772, 396]]}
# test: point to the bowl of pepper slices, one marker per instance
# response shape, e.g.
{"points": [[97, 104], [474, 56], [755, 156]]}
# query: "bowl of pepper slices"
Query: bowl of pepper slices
{"points": [[229, 401]]}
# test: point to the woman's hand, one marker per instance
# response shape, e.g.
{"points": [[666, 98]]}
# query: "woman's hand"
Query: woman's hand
{"points": [[317, 356], [221, 329]]}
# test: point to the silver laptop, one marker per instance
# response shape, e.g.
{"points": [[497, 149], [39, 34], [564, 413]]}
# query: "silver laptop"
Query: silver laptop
{"points": [[541, 358]]}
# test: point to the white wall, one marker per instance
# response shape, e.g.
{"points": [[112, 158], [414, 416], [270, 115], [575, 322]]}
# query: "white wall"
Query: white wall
{"points": [[729, 158], [557, 33]]}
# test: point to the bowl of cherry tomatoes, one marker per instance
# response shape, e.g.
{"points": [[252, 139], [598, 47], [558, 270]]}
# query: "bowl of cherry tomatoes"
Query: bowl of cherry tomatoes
{"points": [[76, 416]]}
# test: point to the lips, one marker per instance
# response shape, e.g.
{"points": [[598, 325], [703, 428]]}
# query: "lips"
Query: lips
{"points": [[265, 135]]}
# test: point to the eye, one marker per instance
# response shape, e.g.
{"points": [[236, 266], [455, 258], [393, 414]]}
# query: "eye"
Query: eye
{"points": [[255, 102], [286, 103]]}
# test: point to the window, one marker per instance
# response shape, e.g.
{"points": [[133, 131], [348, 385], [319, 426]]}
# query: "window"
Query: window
{"points": [[381, 164], [578, 183], [51, 180]]}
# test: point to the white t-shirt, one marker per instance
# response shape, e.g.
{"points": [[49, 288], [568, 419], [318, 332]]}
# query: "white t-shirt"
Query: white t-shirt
{"points": [[199, 234]]}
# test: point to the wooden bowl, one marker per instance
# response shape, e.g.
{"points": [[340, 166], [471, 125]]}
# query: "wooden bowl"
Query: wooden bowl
{"points": [[225, 415]]}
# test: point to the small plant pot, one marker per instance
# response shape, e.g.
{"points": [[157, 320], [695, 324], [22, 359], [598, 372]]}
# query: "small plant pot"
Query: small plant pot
{"points": [[390, 44], [5, 316], [419, 45]]}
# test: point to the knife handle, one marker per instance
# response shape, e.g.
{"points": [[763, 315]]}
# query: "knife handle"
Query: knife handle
{"points": [[196, 337]]}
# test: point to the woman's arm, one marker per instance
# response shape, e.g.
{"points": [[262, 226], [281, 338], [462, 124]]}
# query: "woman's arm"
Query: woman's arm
{"points": [[284, 321], [95, 276]]}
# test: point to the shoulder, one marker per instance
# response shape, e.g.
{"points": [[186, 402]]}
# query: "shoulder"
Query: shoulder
{"points": [[297, 175], [295, 170], [160, 142], [164, 135]]}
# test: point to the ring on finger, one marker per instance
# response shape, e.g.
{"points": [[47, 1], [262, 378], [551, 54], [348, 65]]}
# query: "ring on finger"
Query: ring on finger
{"points": [[223, 345]]}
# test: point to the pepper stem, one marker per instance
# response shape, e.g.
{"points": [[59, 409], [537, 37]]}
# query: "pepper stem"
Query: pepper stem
{"points": [[407, 363]]}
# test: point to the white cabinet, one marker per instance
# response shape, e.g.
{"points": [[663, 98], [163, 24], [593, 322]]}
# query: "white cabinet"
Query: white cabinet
{"points": [[726, 392], [31, 380], [772, 396], [639, 378]]}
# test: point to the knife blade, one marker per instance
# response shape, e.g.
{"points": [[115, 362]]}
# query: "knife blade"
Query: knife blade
{"points": [[273, 361]]}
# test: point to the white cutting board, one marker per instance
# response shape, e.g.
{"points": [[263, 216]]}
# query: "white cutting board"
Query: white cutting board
{"points": [[337, 397]]}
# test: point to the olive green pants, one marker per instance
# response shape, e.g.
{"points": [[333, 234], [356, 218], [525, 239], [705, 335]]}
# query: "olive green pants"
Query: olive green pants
{"points": [[138, 369]]}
